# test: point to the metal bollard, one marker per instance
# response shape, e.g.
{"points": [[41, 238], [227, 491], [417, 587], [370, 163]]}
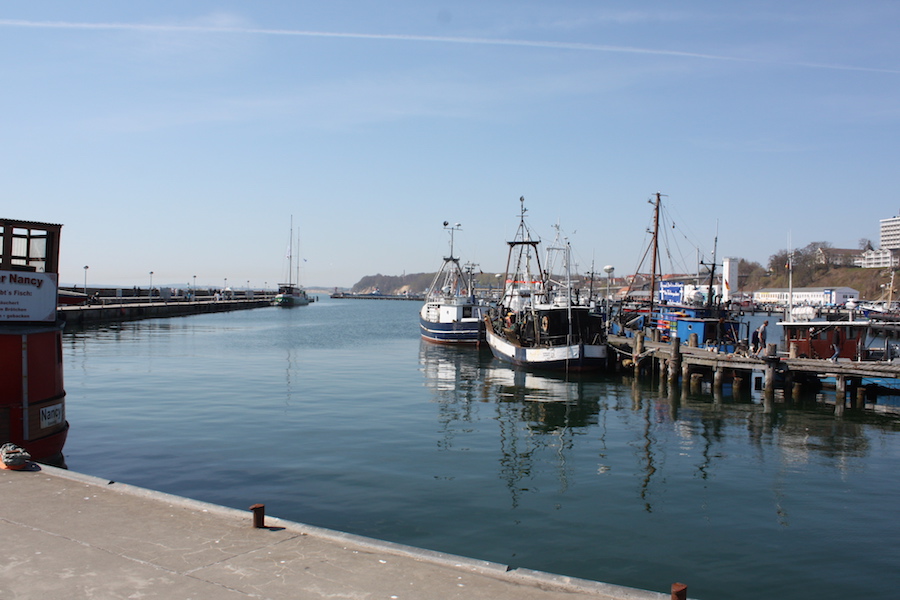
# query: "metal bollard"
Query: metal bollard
{"points": [[259, 515], [679, 591]]}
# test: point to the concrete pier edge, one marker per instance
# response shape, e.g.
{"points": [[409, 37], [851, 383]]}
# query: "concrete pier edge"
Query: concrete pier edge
{"points": [[496, 570]]}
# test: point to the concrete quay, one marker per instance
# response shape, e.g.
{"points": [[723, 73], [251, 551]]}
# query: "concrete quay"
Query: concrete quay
{"points": [[72, 536]]}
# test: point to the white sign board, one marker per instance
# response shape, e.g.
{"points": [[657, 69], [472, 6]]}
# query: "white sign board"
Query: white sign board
{"points": [[52, 415], [27, 297]]}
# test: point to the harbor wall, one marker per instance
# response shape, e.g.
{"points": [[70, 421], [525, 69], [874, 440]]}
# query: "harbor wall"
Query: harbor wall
{"points": [[110, 312]]}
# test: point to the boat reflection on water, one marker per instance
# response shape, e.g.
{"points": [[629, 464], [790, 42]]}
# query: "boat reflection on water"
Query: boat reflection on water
{"points": [[537, 414], [541, 416], [546, 401]]}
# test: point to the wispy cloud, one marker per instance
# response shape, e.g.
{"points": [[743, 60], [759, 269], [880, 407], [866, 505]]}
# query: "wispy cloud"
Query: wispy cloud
{"points": [[573, 46]]}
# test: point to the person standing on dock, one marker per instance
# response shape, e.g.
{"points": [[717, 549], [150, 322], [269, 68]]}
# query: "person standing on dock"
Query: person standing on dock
{"points": [[761, 334], [836, 342]]}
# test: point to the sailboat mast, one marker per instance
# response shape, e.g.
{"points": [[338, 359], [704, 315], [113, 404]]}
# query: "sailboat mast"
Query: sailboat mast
{"points": [[291, 252]]}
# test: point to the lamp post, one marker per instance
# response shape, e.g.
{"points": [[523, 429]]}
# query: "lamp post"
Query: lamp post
{"points": [[194, 289], [608, 269], [150, 291], [85, 279]]}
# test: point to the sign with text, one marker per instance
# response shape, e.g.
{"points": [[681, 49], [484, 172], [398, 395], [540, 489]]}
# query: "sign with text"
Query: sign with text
{"points": [[27, 297]]}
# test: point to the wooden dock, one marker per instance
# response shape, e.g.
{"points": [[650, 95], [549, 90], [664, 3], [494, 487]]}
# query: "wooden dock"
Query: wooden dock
{"points": [[794, 376]]}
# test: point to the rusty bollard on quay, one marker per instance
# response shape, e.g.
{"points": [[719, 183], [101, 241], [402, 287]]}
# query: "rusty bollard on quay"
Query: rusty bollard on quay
{"points": [[679, 591], [259, 515]]}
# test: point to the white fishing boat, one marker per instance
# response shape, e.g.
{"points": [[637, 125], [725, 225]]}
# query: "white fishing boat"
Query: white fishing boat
{"points": [[291, 293], [452, 314], [539, 324]]}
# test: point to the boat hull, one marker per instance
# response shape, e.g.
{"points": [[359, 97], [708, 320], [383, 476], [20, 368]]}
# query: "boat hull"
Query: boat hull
{"points": [[459, 332], [571, 357], [289, 301]]}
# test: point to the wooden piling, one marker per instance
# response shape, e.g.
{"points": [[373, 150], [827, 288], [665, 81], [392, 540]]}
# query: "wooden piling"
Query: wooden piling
{"points": [[718, 376], [636, 352], [771, 362], [696, 382], [675, 361], [860, 397], [840, 394]]}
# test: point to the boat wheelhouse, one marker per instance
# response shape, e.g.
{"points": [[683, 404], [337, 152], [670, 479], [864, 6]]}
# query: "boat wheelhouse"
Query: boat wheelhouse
{"points": [[826, 339]]}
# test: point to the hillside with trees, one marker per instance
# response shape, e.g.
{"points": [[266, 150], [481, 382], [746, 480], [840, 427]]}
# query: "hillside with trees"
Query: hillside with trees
{"points": [[807, 272]]}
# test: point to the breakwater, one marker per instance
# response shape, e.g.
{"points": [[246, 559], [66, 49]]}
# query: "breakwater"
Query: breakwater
{"points": [[113, 310]]}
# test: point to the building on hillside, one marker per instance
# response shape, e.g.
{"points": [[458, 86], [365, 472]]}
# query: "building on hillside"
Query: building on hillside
{"points": [[837, 257], [878, 259], [890, 234], [812, 296]]}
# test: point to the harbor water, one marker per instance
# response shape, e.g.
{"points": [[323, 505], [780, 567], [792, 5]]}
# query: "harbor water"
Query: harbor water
{"points": [[337, 415]]}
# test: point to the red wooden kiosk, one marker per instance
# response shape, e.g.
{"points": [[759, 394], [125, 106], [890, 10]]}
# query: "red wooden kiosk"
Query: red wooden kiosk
{"points": [[32, 398]]}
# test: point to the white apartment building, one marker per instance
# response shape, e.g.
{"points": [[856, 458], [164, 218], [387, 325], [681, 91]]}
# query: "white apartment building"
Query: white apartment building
{"points": [[890, 233], [818, 296], [878, 259]]}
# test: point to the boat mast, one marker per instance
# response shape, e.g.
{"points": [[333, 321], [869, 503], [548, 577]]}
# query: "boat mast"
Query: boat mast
{"points": [[455, 272], [298, 262], [525, 247], [790, 279], [655, 252], [291, 253], [712, 270]]}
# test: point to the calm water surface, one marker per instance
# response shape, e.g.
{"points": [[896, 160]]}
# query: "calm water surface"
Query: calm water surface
{"points": [[336, 415]]}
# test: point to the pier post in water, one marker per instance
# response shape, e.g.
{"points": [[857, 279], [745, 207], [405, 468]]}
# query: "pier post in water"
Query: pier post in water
{"points": [[840, 394], [636, 353], [771, 361], [860, 397], [675, 362], [696, 383]]}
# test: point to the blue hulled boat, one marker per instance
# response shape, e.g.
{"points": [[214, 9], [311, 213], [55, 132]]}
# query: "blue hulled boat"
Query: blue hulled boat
{"points": [[452, 314]]}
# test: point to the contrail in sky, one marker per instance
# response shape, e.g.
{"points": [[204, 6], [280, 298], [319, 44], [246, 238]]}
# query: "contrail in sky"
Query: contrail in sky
{"points": [[420, 38]]}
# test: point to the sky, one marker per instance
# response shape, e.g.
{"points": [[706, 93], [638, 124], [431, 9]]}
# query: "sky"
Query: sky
{"points": [[185, 138]]}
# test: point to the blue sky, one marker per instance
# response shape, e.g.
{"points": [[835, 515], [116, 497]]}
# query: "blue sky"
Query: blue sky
{"points": [[180, 137]]}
